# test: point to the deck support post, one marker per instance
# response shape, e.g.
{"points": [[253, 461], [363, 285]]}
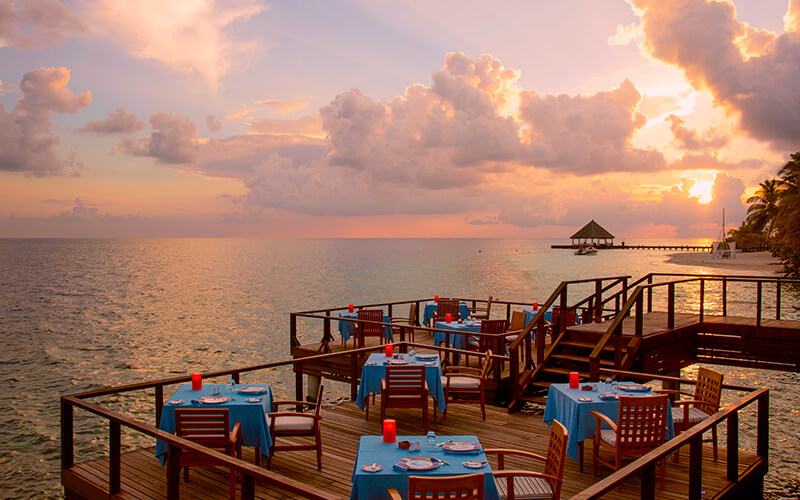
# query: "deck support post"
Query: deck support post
{"points": [[671, 306], [695, 467], [248, 487], [778, 300], [724, 296], [67, 437], [298, 383], [649, 482], [733, 447], [702, 297], [114, 457], [758, 304], [763, 427], [159, 403], [312, 382], [353, 377], [173, 472]]}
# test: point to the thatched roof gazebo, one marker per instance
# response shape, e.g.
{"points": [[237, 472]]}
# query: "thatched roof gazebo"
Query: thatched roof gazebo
{"points": [[593, 233]]}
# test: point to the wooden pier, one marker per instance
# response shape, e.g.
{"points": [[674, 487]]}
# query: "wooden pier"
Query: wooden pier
{"points": [[679, 248]]}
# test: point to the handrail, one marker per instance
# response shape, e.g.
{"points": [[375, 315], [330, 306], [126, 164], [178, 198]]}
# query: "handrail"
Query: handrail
{"points": [[646, 465]]}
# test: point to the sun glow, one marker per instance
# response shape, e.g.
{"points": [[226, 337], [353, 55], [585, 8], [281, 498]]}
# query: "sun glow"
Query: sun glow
{"points": [[702, 190]]}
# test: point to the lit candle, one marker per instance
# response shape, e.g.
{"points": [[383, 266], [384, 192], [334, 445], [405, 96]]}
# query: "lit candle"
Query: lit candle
{"points": [[197, 382], [351, 308], [573, 380], [389, 431], [535, 306], [436, 298], [448, 317], [389, 350]]}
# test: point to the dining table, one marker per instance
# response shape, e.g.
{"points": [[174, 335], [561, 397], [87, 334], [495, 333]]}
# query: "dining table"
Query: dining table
{"points": [[346, 328], [246, 403], [375, 369], [432, 306], [456, 340], [569, 407], [380, 466]]}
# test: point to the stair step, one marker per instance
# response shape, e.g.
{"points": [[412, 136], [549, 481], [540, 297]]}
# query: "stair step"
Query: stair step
{"points": [[580, 359]]}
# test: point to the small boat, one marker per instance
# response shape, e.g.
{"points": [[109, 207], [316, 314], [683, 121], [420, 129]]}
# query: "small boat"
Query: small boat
{"points": [[586, 249]]}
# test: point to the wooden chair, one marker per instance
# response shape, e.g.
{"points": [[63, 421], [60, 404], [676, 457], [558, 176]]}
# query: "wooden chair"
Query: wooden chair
{"points": [[528, 484], [704, 403], [404, 387], [482, 312], [443, 307], [641, 426], [364, 330], [464, 384], [466, 487], [404, 327], [483, 343], [209, 427], [517, 324], [296, 424]]}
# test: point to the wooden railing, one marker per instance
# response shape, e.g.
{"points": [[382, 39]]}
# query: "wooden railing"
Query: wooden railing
{"points": [[646, 465], [641, 299]]}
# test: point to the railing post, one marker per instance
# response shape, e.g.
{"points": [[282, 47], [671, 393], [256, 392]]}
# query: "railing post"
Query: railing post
{"points": [[173, 472], [695, 467], [758, 303], [650, 293], [649, 482], [293, 330], [724, 296], [159, 403], [67, 437], [598, 303], [733, 447], [513, 372], [353, 377], [248, 487], [763, 427], [326, 328], [671, 306], [540, 341], [114, 457], [298, 382], [702, 297], [778, 299]]}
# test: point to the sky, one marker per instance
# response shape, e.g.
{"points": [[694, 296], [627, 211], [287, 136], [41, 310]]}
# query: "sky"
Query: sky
{"points": [[409, 118]]}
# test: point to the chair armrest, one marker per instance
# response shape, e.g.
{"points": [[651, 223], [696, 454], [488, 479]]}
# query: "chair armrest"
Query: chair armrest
{"points": [[273, 415], [687, 402], [236, 438], [599, 417], [460, 370], [394, 494], [672, 391], [529, 473], [276, 404], [502, 452], [464, 375]]}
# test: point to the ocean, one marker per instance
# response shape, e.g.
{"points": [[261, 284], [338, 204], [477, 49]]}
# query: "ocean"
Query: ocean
{"points": [[80, 314]]}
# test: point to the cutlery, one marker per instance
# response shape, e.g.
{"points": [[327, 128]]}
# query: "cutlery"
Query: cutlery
{"points": [[197, 402], [444, 443]]}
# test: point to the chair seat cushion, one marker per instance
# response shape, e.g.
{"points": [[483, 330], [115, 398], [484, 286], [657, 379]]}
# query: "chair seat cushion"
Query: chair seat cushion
{"points": [[511, 338], [294, 424], [525, 487], [695, 415], [457, 382]]}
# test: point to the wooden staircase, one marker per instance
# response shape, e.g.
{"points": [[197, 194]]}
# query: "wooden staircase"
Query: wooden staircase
{"points": [[570, 353]]}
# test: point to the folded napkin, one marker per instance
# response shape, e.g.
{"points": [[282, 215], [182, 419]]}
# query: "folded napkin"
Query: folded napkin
{"points": [[469, 452], [399, 468]]}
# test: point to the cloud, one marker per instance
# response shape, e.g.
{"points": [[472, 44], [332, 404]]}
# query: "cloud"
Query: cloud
{"points": [[27, 143], [7, 87], [193, 37], [586, 134], [689, 139], [172, 140], [36, 23], [750, 72], [212, 123], [117, 123], [791, 19], [307, 125], [281, 106]]}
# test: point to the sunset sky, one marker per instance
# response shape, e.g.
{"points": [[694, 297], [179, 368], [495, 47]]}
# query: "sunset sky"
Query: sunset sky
{"points": [[363, 118]]}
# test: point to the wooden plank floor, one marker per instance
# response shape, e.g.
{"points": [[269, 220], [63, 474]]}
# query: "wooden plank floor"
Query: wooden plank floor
{"points": [[344, 424]]}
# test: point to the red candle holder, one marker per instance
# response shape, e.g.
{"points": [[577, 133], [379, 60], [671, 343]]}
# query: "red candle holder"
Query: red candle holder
{"points": [[197, 382], [351, 308], [573, 380], [535, 306], [389, 431], [389, 350], [448, 317], [436, 298]]}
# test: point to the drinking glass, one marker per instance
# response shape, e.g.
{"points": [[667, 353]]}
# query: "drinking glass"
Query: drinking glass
{"points": [[431, 440]]}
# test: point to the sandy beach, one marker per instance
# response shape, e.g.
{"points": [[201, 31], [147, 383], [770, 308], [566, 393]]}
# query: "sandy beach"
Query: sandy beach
{"points": [[750, 261]]}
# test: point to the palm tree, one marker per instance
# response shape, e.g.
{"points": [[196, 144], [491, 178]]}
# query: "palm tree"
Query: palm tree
{"points": [[787, 221], [764, 206]]}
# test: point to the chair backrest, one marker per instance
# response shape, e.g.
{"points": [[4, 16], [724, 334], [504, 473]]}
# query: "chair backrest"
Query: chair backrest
{"points": [[517, 321], [209, 427], [412, 313], [405, 381], [370, 329], [466, 487], [494, 326], [642, 422], [556, 454], [447, 306], [708, 390], [319, 396], [489, 304]]}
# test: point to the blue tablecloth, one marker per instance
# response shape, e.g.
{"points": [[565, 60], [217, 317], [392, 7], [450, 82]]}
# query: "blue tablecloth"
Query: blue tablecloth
{"points": [[255, 428], [374, 370], [373, 485], [458, 340], [431, 307], [346, 327], [563, 405]]}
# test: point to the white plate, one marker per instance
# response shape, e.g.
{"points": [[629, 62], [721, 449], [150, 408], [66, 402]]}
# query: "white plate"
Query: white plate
{"points": [[419, 463], [426, 357], [607, 396], [584, 399], [372, 467], [474, 464], [251, 390], [175, 402], [633, 387], [396, 362], [254, 400], [213, 400], [461, 446]]}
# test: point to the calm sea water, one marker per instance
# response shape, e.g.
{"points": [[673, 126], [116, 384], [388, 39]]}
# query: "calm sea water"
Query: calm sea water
{"points": [[78, 314]]}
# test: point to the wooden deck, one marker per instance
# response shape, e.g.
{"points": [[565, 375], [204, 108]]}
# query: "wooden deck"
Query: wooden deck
{"points": [[342, 426]]}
